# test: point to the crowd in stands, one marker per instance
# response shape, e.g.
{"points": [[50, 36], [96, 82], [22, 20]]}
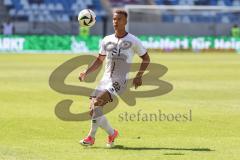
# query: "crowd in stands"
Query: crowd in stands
{"points": [[67, 10]]}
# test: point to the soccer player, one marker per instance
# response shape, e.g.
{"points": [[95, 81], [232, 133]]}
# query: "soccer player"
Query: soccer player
{"points": [[118, 49]]}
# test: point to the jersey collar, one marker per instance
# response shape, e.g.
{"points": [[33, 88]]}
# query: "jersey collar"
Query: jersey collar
{"points": [[122, 36]]}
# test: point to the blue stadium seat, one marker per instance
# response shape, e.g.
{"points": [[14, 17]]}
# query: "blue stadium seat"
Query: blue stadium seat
{"points": [[159, 2], [65, 10]]}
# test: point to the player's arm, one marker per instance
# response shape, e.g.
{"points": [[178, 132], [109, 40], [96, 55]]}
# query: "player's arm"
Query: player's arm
{"points": [[94, 66], [137, 81]]}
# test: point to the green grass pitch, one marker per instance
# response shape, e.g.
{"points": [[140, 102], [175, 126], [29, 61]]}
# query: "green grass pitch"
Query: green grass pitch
{"points": [[207, 84]]}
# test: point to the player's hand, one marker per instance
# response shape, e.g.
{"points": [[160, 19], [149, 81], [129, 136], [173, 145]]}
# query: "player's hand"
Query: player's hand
{"points": [[137, 81], [82, 76]]}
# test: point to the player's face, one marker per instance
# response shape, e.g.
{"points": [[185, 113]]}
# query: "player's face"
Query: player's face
{"points": [[119, 21]]}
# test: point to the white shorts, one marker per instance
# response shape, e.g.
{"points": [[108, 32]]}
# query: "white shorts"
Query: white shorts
{"points": [[114, 87]]}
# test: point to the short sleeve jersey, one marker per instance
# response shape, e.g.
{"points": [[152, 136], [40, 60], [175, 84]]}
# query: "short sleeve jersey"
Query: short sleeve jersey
{"points": [[119, 53]]}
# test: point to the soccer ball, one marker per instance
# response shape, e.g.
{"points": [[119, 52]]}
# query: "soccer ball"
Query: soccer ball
{"points": [[86, 18]]}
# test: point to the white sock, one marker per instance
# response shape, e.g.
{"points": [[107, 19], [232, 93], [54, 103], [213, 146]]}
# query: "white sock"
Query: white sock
{"points": [[104, 124], [94, 126]]}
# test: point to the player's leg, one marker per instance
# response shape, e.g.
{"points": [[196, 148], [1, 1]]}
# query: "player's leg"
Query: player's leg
{"points": [[98, 119], [101, 100], [90, 139]]}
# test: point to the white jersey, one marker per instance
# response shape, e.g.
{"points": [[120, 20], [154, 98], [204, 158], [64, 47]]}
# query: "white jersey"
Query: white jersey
{"points": [[119, 53]]}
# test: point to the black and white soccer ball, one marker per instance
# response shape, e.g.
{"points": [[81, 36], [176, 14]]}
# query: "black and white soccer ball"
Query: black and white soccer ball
{"points": [[86, 18]]}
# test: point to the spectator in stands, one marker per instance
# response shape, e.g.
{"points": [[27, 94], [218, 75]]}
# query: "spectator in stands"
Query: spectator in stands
{"points": [[235, 31], [8, 27]]}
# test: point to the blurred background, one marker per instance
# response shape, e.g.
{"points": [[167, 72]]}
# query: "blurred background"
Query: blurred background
{"points": [[197, 40], [154, 20]]}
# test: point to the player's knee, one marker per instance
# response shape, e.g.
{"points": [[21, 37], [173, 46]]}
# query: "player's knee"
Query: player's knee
{"points": [[92, 103], [102, 99], [99, 102]]}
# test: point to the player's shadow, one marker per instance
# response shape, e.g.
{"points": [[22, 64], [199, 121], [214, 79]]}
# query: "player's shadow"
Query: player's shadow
{"points": [[121, 147]]}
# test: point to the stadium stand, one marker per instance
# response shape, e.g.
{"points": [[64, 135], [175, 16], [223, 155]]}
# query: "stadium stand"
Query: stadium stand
{"points": [[49, 10], [67, 10], [60, 16]]}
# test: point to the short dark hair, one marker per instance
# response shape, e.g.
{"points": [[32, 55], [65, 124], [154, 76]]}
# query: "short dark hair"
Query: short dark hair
{"points": [[121, 11]]}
